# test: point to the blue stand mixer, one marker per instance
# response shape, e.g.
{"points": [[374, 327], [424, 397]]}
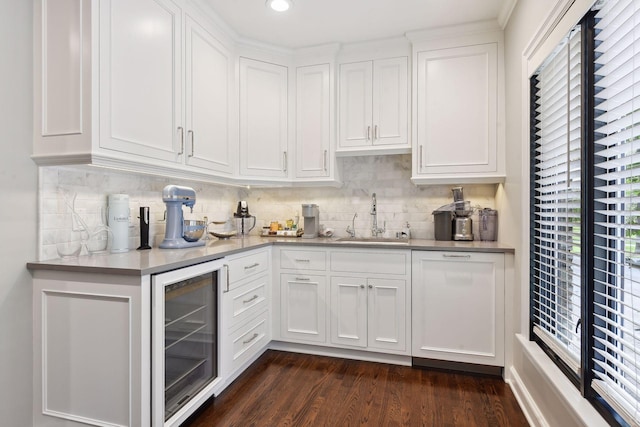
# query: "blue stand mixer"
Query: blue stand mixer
{"points": [[175, 196]]}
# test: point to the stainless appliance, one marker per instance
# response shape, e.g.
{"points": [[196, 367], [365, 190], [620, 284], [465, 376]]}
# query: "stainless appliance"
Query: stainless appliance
{"points": [[462, 227], [184, 359], [174, 197], [311, 215], [453, 221], [245, 221], [488, 224]]}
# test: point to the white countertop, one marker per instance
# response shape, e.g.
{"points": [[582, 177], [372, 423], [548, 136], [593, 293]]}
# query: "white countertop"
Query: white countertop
{"points": [[140, 263]]}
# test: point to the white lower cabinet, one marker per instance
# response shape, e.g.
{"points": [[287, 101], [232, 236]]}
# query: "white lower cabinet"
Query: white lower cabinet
{"points": [[351, 299], [458, 306], [369, 313], [303, 308], [246, 327]]}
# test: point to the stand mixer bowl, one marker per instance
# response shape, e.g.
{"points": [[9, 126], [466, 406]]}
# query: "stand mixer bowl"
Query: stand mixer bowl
{"points": [[193, 229]]}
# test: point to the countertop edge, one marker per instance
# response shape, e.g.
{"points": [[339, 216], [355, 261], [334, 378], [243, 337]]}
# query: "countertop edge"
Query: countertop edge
{"points": [[134, 263]]}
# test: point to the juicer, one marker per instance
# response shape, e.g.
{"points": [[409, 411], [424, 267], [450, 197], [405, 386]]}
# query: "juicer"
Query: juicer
{"points": [[175, 196]]}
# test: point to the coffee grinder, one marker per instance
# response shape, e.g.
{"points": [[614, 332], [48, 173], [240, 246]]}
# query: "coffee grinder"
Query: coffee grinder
{"points": [[311, 214], [175, 196]]}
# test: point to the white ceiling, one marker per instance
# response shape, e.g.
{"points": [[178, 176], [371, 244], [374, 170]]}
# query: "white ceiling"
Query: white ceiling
{"points": [[316, 22]]}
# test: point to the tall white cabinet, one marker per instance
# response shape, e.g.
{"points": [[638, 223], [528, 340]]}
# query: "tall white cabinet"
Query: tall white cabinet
{"points": [[374, 106]]}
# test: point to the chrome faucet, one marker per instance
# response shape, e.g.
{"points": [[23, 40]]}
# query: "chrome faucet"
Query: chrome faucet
{"points": [[352, 228], [375, 231]]}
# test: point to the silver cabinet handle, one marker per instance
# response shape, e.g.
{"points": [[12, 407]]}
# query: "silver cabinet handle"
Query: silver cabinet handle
{"points": [[303, 260], [303, 279], [456, 256], [253, 298], [249, 267], [324, 160], [420, 158], [253, 337], [284, 153], [226, 267], [375, 132], [181, 130], [368, 133], [190, 132]]}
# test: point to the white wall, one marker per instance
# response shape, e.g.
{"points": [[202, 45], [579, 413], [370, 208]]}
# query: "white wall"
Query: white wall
{"points": [[544, 393], [18, 182]]}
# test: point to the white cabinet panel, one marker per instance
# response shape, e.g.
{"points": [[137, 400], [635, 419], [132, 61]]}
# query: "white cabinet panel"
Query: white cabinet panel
{"points": [[356, 104], [349, 311], [303, 307], [263, 119], [313, 121], [458, 307], [388, 312], [209, 67], [390, 102], [140, 77]]}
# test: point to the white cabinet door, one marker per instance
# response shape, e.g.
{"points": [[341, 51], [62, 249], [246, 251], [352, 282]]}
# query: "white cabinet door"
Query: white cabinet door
{"points": [[356, 103], [458, 306], [263, 119], [141, 77], [349, 311], [390, 102], [457, 109], [368, 312], [313, 121], [388, 308], [209, 67], [374, 107], [303, 308]]}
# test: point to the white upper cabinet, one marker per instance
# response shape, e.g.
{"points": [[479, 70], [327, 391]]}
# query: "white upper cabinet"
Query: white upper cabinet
{"points": [[140, 77], [458, 131], [263, 119], [209, 67], [110, 88], [314, 122], [374, 105]]}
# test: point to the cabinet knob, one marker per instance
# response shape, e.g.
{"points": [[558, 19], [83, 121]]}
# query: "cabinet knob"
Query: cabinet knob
{"points": [[370, 286], [361, 286]]}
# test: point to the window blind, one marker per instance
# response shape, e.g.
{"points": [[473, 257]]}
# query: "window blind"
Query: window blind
{"points": [[555, 234], [617, 196]]}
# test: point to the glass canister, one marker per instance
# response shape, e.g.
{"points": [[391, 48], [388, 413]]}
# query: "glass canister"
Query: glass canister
{"points": [[488, 224]]}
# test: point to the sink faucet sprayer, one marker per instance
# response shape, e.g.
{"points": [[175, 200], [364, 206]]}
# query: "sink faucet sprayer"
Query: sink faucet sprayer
{"points": [[375, 231], [351, 229]]}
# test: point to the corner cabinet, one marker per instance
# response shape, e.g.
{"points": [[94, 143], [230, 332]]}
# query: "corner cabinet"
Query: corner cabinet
{"points": [[458, 113], [374, 107], [263, 119], [109, 88], [458, 306]]}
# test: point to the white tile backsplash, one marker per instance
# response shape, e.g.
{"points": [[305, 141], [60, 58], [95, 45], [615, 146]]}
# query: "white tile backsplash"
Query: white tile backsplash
{"points": [[399, 201]]}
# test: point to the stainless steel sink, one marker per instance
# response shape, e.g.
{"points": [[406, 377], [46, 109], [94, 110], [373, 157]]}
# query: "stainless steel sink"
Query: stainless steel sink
{"points": [[373, 240]]}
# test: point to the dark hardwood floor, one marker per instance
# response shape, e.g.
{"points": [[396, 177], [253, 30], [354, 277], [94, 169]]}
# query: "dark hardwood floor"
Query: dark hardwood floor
{"points": [[288, 389]]}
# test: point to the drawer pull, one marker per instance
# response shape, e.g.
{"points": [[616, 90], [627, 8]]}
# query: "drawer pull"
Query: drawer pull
{"points": [[456, 256], [303, 279], [248, 267], [253, 298], [303, 260], [253, 337], [226, 267]]}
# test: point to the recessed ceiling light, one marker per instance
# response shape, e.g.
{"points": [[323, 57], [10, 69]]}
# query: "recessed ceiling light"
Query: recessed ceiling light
{"points": [[280, 5]]}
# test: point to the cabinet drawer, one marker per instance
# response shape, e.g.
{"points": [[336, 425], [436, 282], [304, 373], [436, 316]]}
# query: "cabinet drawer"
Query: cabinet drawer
{"points": [[303, 260], [248, 300], [391, 262], [250, 339], [248, 266]]}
